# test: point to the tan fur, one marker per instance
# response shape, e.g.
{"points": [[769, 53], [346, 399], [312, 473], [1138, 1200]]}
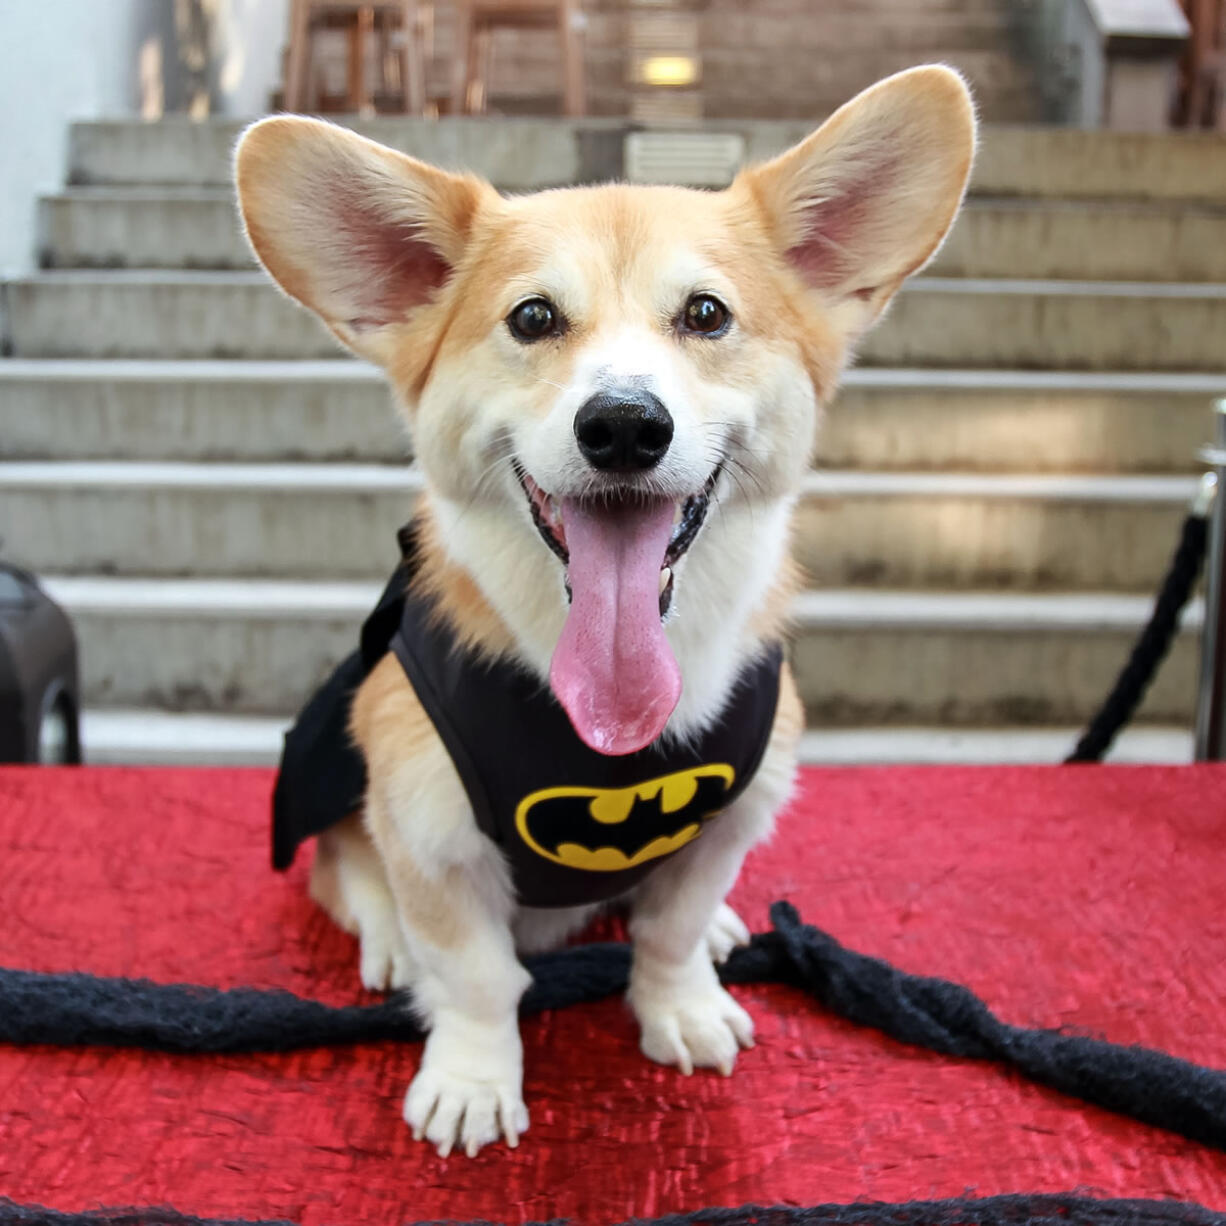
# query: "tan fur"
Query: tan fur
{"points": [[391, 727], [387, 720], [771, 619], [789, 715], [457, 598], [429, 904], [325, 887]]}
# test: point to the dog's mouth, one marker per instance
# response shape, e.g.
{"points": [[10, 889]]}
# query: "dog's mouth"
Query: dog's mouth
{"points": [[689, 515], [613, 669]]}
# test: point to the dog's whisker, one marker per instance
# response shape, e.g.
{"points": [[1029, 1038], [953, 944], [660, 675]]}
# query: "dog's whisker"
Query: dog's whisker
{"points": [[748, 473], [479, 486]]}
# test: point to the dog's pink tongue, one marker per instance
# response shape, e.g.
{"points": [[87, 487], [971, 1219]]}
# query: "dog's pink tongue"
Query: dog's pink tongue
{"points": [[613, 670]]}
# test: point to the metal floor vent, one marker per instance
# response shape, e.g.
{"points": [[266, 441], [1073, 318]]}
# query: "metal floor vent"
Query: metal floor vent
{"points": [[692, 159]]}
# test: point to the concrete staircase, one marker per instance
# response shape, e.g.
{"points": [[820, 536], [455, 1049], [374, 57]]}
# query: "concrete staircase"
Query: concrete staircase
{"points": [[211, 488]]}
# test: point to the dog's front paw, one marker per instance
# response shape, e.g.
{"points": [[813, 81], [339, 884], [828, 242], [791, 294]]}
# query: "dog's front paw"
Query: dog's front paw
{"points": [[724, 933], [691, 1026], [468, 1092]]}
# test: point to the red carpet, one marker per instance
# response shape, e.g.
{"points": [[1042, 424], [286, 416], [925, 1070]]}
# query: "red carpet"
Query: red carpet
{"points": [[1090, 898]]}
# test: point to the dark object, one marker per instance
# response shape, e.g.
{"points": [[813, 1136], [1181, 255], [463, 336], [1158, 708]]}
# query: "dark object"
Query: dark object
{"points": [[1211, 700], [944, 1017], [532, 784], [1151, 648], [322, 777], [963, 1211], [39, 697]]}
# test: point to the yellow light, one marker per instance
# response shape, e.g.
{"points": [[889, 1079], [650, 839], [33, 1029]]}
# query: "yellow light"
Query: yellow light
{"points": [[668, 70]]}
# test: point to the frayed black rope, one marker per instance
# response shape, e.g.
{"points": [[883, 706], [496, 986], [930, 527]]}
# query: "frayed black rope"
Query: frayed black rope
{"points": [[1151, 647], [1147, 1085], [1015, 1210]]}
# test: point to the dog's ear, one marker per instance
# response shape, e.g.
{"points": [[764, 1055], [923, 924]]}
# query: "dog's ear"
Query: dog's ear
{"points": [[359, 233], [868, 198]]}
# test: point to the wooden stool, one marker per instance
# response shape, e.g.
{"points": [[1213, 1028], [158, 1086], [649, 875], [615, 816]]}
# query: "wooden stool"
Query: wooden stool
{"points": [[476, 21], [415, 19]]}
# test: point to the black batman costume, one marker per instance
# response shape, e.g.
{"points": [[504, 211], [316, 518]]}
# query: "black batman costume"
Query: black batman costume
{"points": [[576, 826]]}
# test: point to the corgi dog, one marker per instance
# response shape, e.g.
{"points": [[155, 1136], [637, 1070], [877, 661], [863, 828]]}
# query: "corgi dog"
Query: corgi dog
{"points": [[613, 394]]}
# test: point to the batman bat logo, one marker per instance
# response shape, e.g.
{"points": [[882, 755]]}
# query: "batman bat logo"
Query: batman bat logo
{"points": [[607, 830]]}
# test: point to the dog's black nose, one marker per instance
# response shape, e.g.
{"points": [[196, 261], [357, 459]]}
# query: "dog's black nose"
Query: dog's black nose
{"points": [[623, 431]]}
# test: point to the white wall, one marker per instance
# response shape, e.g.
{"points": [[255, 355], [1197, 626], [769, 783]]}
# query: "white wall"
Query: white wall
{"points": [[64, 60], [59, 60], [251, 35]]}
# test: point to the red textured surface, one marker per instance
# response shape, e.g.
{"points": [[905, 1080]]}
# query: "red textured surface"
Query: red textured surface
{"points": [[1084, 897]]}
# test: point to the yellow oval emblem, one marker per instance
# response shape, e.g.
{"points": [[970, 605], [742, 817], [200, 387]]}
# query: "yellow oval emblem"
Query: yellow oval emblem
{"points": [[608, 830]]}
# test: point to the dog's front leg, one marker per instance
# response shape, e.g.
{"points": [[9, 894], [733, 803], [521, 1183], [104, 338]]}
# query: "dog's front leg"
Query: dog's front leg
{"points": [[685, 1016], [678, 921], [456, 919]]}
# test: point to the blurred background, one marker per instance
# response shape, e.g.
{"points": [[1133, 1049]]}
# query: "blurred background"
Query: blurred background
{"points": [[209, 487]]}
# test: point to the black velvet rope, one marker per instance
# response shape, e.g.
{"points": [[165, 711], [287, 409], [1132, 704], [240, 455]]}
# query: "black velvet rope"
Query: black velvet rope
{"points": [[1037, 1210], [1151, 648], [1147, 1085]]}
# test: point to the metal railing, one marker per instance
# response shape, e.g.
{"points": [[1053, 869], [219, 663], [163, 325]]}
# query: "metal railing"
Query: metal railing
{"points": [[1211, 707]]}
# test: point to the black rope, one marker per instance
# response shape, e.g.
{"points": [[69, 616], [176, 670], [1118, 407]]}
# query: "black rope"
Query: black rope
{"points": [[1151, 647], [1015, 1210], [944, 1017]]}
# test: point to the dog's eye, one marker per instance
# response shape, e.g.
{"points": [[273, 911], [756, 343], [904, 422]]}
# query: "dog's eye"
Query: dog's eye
{"points": [[533, 320], [705, 314]]}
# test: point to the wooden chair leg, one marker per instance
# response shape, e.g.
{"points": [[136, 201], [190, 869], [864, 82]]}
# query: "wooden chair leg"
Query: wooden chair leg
{"points": [[389, 64], [1219, 101], [460, 55], [358, 100], [425, 19], [479, 48], [299, 64], [413, 58], [570, 18]]}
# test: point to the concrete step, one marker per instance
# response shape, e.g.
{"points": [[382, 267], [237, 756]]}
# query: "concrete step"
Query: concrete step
{"points": [[173, 738], [514, 153], [1073, 163], [520, 154], [936, 321], [220, 645], [1090, 240], [165, 227], [198, 228], [337, 521], [973, 658], [67, 409], [154, 737], [754, 83], [861, 657], [1053, 325], [1020, 421], [1139, 743]]}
